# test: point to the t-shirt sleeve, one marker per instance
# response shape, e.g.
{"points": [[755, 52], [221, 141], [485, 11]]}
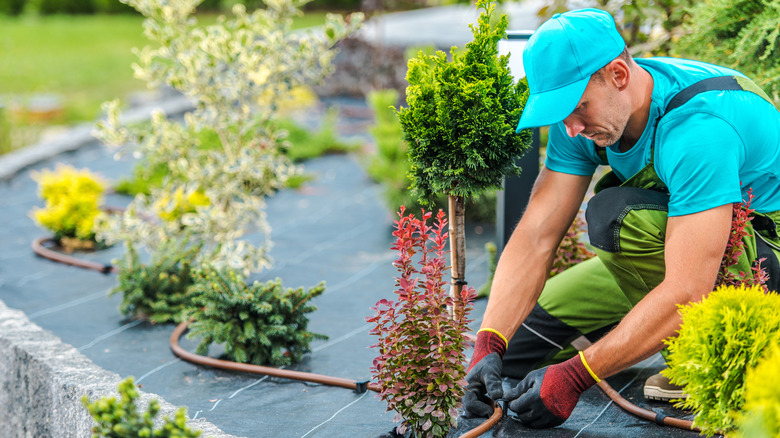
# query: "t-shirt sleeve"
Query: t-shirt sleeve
{"points": [[575, 156], [698, 156]]}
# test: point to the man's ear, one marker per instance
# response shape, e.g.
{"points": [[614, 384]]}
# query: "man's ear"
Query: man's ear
{"points": [[619, 73]]}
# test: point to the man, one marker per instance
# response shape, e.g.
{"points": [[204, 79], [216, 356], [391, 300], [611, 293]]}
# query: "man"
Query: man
{"points": [[659, 223]]}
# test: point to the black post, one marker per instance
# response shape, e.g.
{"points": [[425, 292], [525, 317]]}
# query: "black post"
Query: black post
{"points": [[512, 200]]}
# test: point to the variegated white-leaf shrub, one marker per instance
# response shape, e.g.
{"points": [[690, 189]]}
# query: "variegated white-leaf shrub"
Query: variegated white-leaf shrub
{"points": [[235, 71]]}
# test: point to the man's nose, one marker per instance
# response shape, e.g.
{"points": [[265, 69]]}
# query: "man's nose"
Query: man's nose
{"points": [[573, 126]]}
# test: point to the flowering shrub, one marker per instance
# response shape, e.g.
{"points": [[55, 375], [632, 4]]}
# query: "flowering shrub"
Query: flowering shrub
{"points": [[420, 364], [72, 199], [720, 338], [236, 71], [262, 323], [121, 419]]}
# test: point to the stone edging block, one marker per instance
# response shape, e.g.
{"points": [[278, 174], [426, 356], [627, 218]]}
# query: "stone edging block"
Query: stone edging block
{"points": [[42, 380]]}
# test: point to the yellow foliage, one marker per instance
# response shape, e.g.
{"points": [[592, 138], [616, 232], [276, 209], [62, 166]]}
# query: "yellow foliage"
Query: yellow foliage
{"points": [[172, 208], [762, 398], [287, 102], [72, 199]]}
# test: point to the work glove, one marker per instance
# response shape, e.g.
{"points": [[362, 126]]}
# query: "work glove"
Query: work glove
{"points": [[484, 373], [546, 397]]}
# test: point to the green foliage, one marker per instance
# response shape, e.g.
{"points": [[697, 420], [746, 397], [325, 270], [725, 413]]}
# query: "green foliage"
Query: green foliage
{"points": [[461, 116], [12, 7], [262, 323], [72, 199], [122, 419], [492, 251], [741, 34], [390, 166], [298, 144], [420, 337], [237, 71], [761, 414], [303, 144], [720, 338], [647, 26], [48, 7], [160, 290]]}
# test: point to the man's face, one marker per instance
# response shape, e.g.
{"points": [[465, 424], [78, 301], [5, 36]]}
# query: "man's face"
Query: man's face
{"points": [[601, 114]]}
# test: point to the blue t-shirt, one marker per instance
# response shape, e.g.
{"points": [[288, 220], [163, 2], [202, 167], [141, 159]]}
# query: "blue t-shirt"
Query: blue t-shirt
{"points": [[708, 152]]}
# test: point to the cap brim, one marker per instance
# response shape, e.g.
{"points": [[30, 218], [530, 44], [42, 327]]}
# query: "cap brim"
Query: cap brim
{"points": [[552, 106]]}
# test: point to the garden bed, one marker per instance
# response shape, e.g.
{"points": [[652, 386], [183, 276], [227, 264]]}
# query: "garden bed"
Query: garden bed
{"points": [[334, 229]]}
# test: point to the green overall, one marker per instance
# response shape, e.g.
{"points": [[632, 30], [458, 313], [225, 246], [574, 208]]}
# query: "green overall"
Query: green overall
{"points": [[627, 228]]}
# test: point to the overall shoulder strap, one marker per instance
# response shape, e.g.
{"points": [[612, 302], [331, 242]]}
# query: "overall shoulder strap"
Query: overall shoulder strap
{"points": [[714, 83], [709, 84]]}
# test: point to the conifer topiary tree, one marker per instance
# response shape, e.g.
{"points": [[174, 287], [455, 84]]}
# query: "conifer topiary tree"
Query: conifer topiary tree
{"points": [[460, 124]]}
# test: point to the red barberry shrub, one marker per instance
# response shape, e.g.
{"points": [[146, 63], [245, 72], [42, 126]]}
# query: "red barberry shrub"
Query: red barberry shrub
{"points": [[421, 335], [735, 247]]}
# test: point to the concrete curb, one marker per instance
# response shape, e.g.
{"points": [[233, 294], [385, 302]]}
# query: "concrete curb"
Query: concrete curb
{"points": [[43, 379], [76, 137]]}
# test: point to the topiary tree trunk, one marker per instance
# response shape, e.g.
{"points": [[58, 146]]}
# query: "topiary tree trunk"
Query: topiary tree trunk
{"points": [[460, 124]]}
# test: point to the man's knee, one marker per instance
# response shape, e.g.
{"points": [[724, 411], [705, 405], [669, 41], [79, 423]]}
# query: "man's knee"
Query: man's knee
{"points": [[609, 210]]}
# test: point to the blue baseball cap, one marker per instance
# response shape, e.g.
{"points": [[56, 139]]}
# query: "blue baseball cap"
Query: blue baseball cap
{"points": [[559, 59]]}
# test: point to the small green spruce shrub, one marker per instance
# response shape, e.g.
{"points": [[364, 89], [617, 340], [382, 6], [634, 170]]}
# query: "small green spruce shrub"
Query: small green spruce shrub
{"points": [[720, 338], [160, 290], [420, 364], [261, 323], [121, 418], [761, 415]]}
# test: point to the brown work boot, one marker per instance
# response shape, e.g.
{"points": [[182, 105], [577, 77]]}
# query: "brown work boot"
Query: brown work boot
{"points": [[658, 387]]}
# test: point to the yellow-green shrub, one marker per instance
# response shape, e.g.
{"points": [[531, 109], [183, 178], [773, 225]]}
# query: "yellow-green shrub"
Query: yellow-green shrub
{"points": [[72, 199], [761, 418], [177, 204], [720, 338]]}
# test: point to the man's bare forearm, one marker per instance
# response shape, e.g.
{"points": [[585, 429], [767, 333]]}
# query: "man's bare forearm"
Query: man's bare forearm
{"points": [[525, 262], [694, 249]]}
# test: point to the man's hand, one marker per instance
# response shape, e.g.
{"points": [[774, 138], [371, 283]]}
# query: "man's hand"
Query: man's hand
{"points": [[546, 397], [484, 373]]}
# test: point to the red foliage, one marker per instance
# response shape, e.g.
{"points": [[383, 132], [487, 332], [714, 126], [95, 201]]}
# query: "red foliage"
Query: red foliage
{"points": [[740, 217], [421, 336]]}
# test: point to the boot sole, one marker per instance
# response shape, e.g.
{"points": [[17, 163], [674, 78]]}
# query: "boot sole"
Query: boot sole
{"points": [[660, 394]]}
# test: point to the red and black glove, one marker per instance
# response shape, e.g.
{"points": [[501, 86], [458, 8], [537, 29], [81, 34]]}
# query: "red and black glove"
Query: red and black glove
{"points": [[546, 397], [484, 373]]}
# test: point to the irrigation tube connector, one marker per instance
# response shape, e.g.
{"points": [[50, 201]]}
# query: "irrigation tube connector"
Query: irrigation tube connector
{"points": [[499, 411]]}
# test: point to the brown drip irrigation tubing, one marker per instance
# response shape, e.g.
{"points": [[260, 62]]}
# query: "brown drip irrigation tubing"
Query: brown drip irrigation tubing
{"points": [[178, 332], [40, 249], [649, 415]]}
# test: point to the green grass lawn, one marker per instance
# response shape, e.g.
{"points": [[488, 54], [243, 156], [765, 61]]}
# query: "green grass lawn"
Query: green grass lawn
{"points": [[84, 60]]}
